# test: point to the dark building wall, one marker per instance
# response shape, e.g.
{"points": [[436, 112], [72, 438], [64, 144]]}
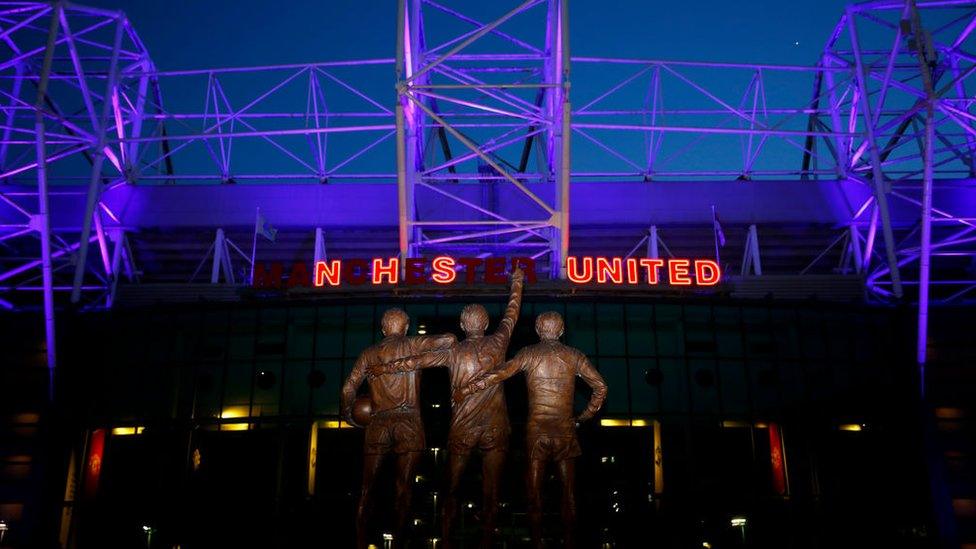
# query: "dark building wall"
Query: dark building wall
{"points": [[241, 386]]}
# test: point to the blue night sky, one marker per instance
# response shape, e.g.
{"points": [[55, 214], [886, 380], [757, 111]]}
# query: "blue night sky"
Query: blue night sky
{"points": [[183, 34], [193, 34]]}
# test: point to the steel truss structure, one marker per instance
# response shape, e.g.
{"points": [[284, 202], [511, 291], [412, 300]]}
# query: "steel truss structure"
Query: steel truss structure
{"points": [[477, 136]]}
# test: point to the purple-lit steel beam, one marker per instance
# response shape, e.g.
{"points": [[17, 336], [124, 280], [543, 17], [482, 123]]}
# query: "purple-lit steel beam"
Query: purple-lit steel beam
{"points": [[43, 217], [837, 117], [881, 200], [98, 159], [925, 253]]}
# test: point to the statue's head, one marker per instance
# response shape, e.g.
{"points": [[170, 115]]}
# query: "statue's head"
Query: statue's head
{"points": [[549, 325], [395, 322], [474, 319]]}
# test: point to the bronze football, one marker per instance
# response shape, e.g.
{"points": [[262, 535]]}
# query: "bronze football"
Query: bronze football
{"points": [[362, 410]]}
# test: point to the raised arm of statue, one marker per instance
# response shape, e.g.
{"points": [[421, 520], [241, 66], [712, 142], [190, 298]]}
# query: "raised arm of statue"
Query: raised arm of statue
{"points": [[592, 378], [507, 325]]}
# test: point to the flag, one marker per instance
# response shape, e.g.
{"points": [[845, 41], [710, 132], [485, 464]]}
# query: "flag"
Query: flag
{"points": [[263, 228], [658, 460], [717, 227], [776, 459], [93, 466]]}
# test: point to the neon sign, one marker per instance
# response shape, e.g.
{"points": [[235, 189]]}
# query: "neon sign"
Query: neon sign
{"points": [[446, 270]]}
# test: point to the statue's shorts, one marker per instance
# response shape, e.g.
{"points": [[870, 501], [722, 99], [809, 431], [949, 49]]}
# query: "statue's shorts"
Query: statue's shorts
{"points": [[555, 448], [486, 438], [397, 431]]}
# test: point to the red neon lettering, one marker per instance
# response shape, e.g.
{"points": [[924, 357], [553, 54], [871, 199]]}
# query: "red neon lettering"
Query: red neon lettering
{"points": [[299, 275], [328, 272], [470, 264], [612, 269], [390, 270], [678, 270], [631, 270], [707, 272], [651, 265], [413, 270], [572, 271], [528, 267], [442, 270], [355, 271], [265, 279], [495, 270]]}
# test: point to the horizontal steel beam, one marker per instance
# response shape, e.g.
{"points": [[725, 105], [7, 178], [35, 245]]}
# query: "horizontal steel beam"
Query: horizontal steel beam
{"points": [[594, 203]]}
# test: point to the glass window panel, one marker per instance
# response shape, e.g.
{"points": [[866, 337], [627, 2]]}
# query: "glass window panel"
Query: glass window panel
{"points": [[210, 346], [699, 339], [674, 386], [267, 388], [644, 397], [765, 384], [791, 380], [579, 327], [208, 383], [237, 388], [240, 345], [735, 386], [755, 315], [242, 320], [301, 338], [839, 329], [640, 330], [812, 344], [329, 332], [296, 390], [614, 372], [705, 386], [275, 317], [783, 326], [450, 310], [359, 329], [669, 331], [610, 329], [759, 341], [697, 313], [325, 399]]}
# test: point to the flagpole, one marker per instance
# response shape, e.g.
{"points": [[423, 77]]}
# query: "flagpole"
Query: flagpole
{"points": [[715, 236], [254, 242]]}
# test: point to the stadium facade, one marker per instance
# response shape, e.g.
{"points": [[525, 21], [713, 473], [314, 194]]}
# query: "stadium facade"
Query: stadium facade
{"points": [[778, 290]]}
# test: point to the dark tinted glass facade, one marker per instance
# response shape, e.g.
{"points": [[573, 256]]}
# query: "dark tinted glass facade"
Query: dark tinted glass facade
{"points": [[727, 423]]}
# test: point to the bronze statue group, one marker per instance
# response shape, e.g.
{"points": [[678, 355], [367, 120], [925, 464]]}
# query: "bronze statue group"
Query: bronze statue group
{"points": [[479, 415]]}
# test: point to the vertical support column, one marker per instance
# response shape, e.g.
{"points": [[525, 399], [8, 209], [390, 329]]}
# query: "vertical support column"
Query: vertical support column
{"points": [[98, 160], [132, 169], [561, 132], [923, 45], [221, 259], [855, 243], [319, 246], [880, 185], [810, 144], [43, 219], [652, 240], [414, 118], [841, 144], [408, 121], [118, 238], [750, 257]]}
